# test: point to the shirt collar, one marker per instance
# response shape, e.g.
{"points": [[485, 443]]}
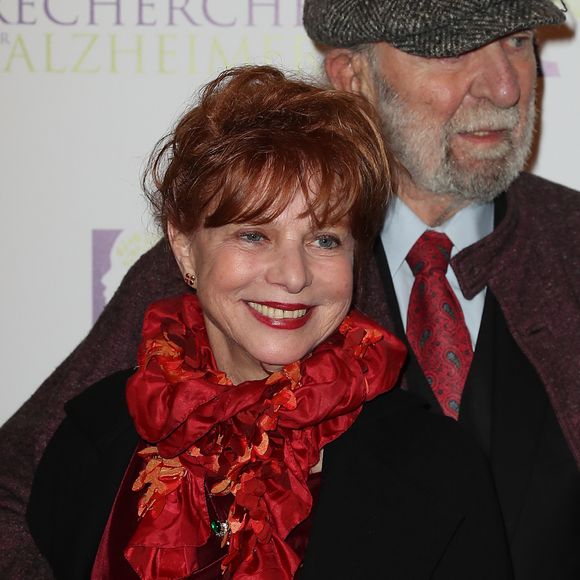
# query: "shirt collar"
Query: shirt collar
{"points": [[402, 228]]}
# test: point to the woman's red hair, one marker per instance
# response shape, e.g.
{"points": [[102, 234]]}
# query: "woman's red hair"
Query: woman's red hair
{"points": [[255, 139]]}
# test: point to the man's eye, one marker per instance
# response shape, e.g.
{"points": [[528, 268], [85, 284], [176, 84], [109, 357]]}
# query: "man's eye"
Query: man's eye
{"points": [[519, 40], [252, 237], [327, 242]]}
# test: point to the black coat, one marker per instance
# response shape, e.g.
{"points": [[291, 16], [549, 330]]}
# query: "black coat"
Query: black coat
{"points": [[405, 493]]}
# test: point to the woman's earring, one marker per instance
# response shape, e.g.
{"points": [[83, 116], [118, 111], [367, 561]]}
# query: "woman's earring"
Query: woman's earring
{"points": [[190, 279]]}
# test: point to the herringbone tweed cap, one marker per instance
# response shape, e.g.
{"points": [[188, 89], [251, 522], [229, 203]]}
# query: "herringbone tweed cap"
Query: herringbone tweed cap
{"points": [[432, 28]]}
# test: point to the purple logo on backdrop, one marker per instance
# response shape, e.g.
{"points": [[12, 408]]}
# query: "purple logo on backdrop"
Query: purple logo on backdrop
{"points": [[103, 241], [114, 252], [550, 68]]}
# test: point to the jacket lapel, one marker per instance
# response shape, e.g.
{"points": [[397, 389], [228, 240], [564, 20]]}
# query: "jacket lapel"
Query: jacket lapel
{"points": [[476, 401]]}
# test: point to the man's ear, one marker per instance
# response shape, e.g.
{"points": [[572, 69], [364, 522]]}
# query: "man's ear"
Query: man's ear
{"points": [[181, 248], [338, 64], [350, 71]]}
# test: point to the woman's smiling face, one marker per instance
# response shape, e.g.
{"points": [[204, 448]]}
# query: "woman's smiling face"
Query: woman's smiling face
{"points": [[270, 293]]}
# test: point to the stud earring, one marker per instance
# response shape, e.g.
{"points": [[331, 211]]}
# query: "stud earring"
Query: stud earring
{"points": [[190, 279]]}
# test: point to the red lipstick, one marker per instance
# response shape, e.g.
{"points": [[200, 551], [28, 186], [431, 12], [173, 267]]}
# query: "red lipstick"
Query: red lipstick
{"points": [[282, 323]]}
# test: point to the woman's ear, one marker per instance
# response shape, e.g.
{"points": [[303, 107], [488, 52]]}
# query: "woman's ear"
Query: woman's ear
{"points": [[181, 247]]}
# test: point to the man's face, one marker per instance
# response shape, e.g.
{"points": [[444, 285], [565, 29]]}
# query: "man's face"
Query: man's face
{"points": [[461, 126]]}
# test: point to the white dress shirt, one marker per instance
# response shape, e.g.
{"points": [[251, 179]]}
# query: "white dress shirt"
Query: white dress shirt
{"points": [[403, 228]]}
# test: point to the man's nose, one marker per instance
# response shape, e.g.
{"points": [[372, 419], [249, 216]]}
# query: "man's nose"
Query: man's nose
{"points": [[290, 269], [496, 78]]}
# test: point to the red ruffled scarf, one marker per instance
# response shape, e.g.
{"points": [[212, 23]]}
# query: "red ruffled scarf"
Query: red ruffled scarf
{"points": [[256, 440]]}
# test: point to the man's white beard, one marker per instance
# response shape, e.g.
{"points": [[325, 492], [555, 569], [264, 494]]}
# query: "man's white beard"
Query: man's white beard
{"points": [[424, 149]]}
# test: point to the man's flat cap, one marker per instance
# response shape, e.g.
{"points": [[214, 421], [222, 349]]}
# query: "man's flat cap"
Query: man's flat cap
{"points": [[431, 28]]}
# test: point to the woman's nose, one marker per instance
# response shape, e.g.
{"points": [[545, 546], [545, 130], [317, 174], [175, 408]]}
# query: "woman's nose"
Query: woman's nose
{"points": [[290, 269]]}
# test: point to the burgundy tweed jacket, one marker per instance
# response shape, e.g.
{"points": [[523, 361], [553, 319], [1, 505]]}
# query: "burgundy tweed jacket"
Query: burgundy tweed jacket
{"points": [[531, 262]]}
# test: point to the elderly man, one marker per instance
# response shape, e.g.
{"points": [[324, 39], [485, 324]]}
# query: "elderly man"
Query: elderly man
{"points": [[494, 338], [454, 81]]}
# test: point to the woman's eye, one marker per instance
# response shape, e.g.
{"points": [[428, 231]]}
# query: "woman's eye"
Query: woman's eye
{"points": [[252, 237], [327, 242]]}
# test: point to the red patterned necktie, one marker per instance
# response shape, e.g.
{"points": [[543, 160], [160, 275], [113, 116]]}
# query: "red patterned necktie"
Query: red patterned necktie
{"points": [[435, 325]]}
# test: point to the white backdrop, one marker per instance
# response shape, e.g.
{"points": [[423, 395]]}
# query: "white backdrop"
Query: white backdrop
{"points": [[86, 89]]}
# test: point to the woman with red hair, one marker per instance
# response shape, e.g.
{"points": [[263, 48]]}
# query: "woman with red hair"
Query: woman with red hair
{"points": [[206, 460]]}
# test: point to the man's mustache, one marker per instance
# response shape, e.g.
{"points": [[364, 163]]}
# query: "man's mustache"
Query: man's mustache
{"points": [[487, 118]]}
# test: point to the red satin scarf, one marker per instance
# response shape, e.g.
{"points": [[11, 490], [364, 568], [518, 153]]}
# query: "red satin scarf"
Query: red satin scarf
{"points": [[256, 440]]}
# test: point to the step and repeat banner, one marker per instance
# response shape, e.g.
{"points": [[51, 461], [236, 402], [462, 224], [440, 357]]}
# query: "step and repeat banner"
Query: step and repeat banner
{"points": [[87, 88]]}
